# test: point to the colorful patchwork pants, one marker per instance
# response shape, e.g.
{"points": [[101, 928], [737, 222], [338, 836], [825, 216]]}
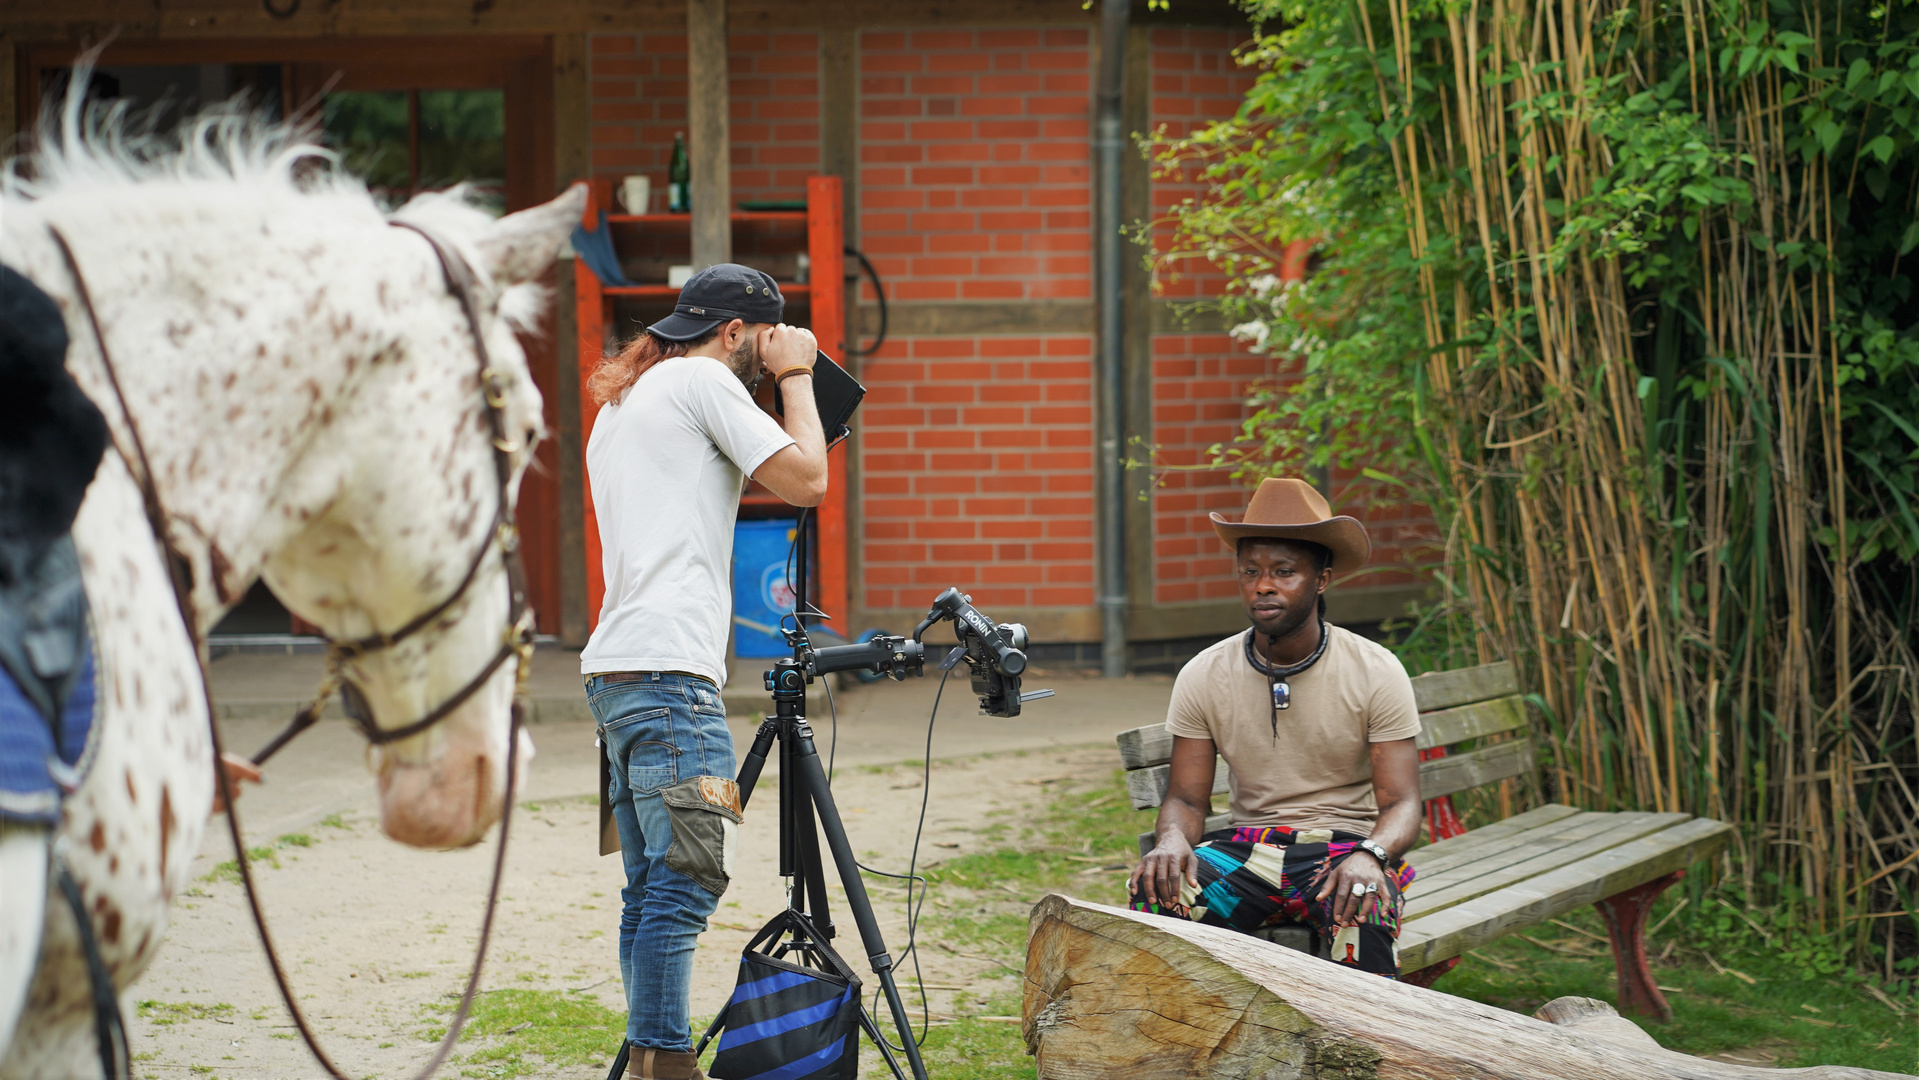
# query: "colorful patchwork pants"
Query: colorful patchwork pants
{"points": [[1251, 878]]}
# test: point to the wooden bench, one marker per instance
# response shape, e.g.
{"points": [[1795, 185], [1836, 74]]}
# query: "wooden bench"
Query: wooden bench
{"points": [[1477, 886]]}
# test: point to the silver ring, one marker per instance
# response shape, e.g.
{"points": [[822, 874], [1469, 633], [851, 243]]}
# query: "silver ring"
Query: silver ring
{"points": [[1358, 889], [1371, 889]]}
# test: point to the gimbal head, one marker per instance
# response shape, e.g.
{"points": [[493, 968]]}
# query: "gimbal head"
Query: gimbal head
{"points": [[994, 654]]}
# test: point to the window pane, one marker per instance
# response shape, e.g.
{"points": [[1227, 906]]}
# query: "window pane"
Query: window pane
{"points": [[368, 128], [463, 138]]}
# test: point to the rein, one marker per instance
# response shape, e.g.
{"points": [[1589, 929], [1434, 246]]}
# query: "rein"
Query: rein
{"points": [[516, 641]]}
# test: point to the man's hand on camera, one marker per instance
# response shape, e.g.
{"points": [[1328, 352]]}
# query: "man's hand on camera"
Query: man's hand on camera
{"points": [[1160, 874], [783, 348]]}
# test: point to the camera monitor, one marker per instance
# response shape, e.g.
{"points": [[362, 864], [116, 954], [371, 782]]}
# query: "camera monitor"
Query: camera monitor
{"points": [[837, 394]]}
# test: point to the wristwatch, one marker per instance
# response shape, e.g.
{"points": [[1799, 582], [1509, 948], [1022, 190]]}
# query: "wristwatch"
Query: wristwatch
{"points": [[1376, 852]]}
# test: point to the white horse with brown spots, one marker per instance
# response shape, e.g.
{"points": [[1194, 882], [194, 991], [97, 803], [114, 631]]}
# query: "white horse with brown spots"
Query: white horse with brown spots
{"points": [[307, 392]]}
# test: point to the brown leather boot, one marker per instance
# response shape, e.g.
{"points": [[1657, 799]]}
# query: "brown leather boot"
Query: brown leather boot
{"points": [[649, 1064]]}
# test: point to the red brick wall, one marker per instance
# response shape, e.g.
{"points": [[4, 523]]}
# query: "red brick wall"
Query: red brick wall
{"points": [[976, 456], [977, 451], [638, 86], [1199, 379]]}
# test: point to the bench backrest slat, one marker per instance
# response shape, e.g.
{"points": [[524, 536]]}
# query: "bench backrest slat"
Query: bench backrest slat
{"points": [[1454, 706], [1455, 725], [1441, 776], [1450, 710], [1437, 690]]}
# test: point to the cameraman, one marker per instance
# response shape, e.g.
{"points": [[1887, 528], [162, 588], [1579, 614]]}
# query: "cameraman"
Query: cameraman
{"points": [[676, 436]]}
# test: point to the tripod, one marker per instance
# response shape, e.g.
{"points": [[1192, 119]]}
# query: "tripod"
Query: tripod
{"points": [[806, 810]]}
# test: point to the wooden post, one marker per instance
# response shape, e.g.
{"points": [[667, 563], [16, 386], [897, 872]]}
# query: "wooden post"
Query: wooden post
{"points": [[572, 152], [839, 157], [589, 319], [825, 251], [709, 139]]}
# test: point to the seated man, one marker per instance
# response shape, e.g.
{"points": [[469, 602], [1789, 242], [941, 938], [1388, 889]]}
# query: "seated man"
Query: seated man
{"points": [[1317, 725]]}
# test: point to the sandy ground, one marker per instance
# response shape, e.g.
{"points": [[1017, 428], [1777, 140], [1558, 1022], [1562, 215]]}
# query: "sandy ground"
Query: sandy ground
{"points": [[372, 932]]}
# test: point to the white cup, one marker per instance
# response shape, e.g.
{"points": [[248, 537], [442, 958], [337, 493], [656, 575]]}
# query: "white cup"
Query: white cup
{"points": [[635, 193]]}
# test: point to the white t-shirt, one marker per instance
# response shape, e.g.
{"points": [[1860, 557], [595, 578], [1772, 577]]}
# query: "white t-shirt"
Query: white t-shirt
{"points": [[667, 463]]}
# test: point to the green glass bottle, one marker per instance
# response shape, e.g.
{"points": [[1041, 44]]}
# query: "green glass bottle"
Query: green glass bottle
{"points": [[679, 178]]}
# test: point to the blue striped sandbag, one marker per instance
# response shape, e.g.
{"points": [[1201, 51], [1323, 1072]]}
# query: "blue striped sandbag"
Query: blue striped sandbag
{"points": [[785, 1022]]}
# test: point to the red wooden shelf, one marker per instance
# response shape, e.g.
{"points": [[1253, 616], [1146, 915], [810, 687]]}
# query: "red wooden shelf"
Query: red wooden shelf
{"points": [[672, 292]]}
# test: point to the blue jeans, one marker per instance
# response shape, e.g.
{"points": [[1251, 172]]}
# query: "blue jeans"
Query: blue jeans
{"points": [[670, 771]]}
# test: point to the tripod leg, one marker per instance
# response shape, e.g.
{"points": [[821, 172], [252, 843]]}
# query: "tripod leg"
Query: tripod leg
{"points": [[806, 837], [811, 777], [755, 759], [879, 1040]]}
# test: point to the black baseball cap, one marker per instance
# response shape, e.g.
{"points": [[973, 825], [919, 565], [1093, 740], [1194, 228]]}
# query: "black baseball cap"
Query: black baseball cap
{"points": [[719, 294]]}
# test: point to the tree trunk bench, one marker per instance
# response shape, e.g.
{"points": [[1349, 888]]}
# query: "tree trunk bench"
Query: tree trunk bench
{"points": [[1112, 994], [1477, 886]]}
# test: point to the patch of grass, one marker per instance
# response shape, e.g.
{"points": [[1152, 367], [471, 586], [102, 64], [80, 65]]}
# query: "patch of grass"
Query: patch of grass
{"points": [[264, 855], [334, 821], [1801, 1015], [287, 1035], [528, 1031], [168, 1013], [973, 1049]]}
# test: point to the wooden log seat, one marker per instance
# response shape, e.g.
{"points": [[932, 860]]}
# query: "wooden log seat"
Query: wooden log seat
{"points": [[1512, 874], [1112, 994]]}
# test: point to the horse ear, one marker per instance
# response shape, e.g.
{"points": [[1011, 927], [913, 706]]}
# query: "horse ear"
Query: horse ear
{"points": [[522, 246]]}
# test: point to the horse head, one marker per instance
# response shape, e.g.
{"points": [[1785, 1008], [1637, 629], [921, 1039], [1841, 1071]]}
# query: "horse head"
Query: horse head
{"points": [[404, 563], [296, 382]]}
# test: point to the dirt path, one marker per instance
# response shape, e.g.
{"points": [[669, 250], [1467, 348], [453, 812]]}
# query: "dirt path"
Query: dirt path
{"points": [[375, 933]]}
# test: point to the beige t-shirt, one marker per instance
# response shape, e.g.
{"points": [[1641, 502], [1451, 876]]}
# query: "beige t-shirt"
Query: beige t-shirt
{"points": [[1318, 772]]}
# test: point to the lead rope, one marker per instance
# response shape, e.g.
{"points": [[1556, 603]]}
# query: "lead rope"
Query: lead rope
{"points": [[519, 642]]}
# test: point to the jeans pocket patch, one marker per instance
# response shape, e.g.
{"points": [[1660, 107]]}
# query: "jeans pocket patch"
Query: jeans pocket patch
{"points": [[651, 765], [705, 813]]}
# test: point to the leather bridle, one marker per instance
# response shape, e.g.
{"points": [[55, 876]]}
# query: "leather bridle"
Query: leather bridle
{"points": [[516, 642]]}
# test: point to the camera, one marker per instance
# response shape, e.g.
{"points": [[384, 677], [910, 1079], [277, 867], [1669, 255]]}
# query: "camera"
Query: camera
{"points": [[994, 653]]}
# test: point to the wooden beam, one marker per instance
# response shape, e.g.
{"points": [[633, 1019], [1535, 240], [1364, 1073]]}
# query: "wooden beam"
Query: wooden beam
{"points": [[572, 160], [76, 19], [1112, 994], [709, 136]]}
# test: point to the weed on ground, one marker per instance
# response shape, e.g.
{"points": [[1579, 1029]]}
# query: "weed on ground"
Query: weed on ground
{"points": [[519, 1032]]}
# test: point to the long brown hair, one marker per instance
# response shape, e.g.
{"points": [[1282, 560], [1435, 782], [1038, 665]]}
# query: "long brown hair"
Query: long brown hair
{"points": [[624, 368]]}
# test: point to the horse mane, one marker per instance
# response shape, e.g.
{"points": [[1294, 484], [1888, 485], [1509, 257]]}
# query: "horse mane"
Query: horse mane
{"points": [[109, 150]]}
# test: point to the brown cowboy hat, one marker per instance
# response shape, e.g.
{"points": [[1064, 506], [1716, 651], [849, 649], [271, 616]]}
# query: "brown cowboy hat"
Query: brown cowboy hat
{"points": [[1290, 509]]}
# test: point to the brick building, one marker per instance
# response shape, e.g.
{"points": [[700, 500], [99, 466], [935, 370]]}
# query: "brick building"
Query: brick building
{"points": [[963, 138]]}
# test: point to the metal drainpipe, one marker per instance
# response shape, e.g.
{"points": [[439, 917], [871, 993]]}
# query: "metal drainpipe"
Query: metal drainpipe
{"points": [[1110, 501]]}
